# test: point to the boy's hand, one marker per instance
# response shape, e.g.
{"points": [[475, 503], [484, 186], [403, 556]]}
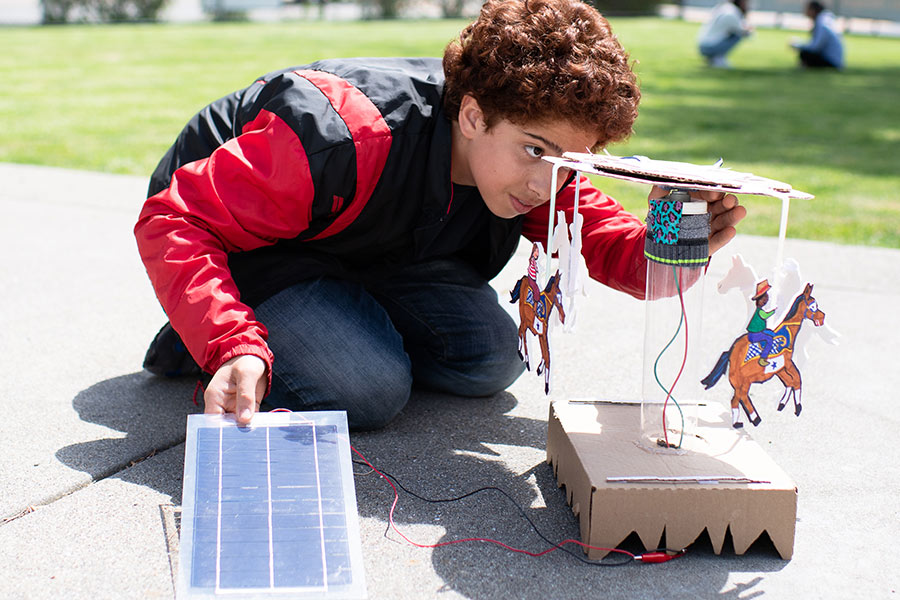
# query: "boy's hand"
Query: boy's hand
{"points": [[724, 214], [238, 386]]}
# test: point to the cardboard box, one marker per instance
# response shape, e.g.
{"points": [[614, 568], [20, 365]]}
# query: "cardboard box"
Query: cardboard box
{"points": [[589, 443]]}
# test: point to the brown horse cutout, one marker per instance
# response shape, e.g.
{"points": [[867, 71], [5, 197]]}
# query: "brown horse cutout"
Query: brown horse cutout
{"points": [[534, 314], [744, 369]]}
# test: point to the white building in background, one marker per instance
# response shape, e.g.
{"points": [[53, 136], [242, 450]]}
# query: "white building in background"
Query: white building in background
{"points": [[28, 12], [20, 12], [867, 17]]}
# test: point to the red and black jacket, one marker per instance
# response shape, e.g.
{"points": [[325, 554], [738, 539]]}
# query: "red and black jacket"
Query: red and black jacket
{"points": [[339, 167]]}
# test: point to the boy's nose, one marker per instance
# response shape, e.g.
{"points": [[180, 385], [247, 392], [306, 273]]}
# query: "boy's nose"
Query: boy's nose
{"points": [[539, 185]]}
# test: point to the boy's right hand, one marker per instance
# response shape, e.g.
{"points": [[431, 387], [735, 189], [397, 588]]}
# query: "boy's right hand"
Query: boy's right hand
{"points": [[238, 386]]}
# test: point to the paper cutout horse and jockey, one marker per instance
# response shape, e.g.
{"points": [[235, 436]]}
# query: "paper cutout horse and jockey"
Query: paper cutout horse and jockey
{"points": [[535, 307], [788, 282], [748, 362]]}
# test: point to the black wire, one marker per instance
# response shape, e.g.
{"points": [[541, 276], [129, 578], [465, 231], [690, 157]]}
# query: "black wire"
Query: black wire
{"points": [[578, 555]]}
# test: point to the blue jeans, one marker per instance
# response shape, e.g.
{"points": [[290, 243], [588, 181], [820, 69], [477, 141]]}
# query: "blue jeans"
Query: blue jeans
{"points": [[766, 338], [360, 347], [814, 59], [722, 48]]}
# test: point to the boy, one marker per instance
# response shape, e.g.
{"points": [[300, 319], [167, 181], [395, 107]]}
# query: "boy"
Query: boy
{"points": [[326, 236]]}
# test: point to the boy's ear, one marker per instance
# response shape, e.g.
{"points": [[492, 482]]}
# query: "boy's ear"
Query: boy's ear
{"points": [[471, 117]]}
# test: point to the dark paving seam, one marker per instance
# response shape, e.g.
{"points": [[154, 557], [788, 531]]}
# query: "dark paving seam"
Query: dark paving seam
{"points": [[112, 471]]}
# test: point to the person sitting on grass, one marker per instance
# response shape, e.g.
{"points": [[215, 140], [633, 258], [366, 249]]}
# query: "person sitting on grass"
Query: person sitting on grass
{"points": [[324, 237], [826, 46], [724, 29]]}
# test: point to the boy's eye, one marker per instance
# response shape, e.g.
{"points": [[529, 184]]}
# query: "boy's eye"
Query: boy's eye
{"points": [[534, 151]]}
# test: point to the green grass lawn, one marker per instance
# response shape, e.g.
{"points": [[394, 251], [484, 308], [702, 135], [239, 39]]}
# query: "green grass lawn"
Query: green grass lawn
{"points": [[112, 98]]}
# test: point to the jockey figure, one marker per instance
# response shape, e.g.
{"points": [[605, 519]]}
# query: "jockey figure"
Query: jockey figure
{"points": [[533, 271], [756, 329]]}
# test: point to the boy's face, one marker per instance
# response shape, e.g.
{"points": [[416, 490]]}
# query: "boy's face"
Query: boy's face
{"points": [[504, 162]]}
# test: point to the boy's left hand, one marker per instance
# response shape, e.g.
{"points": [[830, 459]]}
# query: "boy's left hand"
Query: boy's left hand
{"points": [[724, 214]]}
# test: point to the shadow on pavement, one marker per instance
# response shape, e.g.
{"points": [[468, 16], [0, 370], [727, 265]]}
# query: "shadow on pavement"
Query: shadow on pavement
{"points": [[148, 412], [443, 447], [439, 447]]}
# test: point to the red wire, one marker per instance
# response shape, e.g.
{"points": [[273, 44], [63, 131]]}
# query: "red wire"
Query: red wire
{"points": [[681, 370], [475, 539], [658, 556], [197, 389]]}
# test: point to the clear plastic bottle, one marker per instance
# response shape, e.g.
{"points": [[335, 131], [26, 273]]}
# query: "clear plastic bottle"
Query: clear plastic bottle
{"points": [[677, 249]]}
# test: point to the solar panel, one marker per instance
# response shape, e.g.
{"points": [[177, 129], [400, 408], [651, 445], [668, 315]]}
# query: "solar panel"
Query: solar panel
{"points": [[269, 509]]}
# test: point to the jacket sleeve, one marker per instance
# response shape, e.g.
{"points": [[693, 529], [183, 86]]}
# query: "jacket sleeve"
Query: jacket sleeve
{"points": [[612, 238], [731, 23], [252, 190]]}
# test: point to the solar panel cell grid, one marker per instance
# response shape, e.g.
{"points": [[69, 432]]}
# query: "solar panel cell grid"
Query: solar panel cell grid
{"points": [[270, 511]]}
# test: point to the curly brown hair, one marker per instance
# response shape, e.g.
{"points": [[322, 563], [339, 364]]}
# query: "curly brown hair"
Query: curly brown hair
{"points": [[538, 60]]}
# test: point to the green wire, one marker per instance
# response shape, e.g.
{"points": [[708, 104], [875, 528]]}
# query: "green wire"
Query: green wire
{"points": [[656, 364]]}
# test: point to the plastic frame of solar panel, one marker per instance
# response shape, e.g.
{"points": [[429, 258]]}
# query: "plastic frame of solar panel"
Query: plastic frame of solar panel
{"points": [[269, 510]]}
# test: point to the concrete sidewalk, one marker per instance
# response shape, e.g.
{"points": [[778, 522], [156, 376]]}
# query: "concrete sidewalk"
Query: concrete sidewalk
{"points": [[92, 447]]}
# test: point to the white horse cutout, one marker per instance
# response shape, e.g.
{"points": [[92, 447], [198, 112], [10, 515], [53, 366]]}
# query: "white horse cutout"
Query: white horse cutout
{"points": [[572, 267], [788, 283]]}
